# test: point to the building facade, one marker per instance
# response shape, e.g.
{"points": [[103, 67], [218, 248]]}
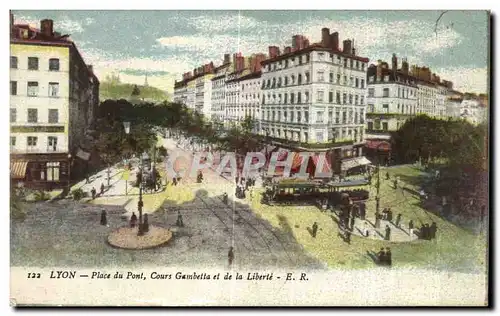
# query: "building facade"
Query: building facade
{"points": [[54, 97], [315, 93], [218, 98], [392, 98]]}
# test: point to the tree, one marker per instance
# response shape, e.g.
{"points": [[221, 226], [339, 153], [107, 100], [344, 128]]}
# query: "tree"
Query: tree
{"points": [[136, 91]]}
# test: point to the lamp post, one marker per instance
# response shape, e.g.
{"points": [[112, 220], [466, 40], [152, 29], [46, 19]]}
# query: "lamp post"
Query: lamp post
{"points": [[140, 204], [378, 177], [69, 173], [126, 126]]}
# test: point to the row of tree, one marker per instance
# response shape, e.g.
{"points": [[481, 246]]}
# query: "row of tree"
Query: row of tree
{"points": [[458, 142]]}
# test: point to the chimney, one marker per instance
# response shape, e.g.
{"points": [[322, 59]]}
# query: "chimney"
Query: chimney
{"points": [[227, 58], [335, 40], [195, 71], [379, 72], [273, 51], [288, 50], [354, 51], [47, 27], [294, 41], [394, 63], [347, 47], [306, 43], [404, 66], [325, 37]]}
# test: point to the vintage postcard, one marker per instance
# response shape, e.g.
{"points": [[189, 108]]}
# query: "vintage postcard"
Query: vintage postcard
{"points": [[249, 158]]}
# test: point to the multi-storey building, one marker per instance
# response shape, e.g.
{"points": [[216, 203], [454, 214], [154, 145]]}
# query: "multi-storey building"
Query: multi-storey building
{"points": [[250, 89], [218, 101], [392, 98], [54, 97], [315, 93], [467, 107]]}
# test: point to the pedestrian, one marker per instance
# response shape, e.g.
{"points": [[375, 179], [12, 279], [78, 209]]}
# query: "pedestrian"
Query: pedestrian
{"points": [[87, 179], [362, 211], [396, 183], [381, 257], [180, 222], [104, 219], [365, 229], [398, 220], [427, 232], [224, 198], [145, 224], [347, 236], [102, 189], [387, 176], [387, 232], [433, 230], [174, 181], [388, 256], [410, 227], [353, 220], [230, 256], [389, 214], [314, 229], [133, 220], [93, 191], [377, 220], [384, 214]]}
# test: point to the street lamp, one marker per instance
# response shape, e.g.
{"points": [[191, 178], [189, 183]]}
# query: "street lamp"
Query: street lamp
{"points": [[140, 204], [378, 177], [69, 173]]}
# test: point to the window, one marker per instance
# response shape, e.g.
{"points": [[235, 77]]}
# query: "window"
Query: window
{"points": [[13, 62], [356, 83], [345, 62], [351, 82], [362, 85], [370, 126], [13, 115], [386, 107], [319, 136], [51, 143], [321, 76], [13, 88], [299, 97], [321, 56], [337, 117], [13, 141], [356, 100], [357, 64], [286, 81], [299, 116], [331, 77], [307, 77], [32, 140], [345, 80], [32, 115], [351, 63], [286, 98], [320, 96], [319, 117], [350, 98], [385, 126], [292, 98], [52, 171], [338, 78], [362, 100], [371, 92], [299, 79], [371, 79], [32, 88], [338, 98], [330, 116], [306, 116], [53, 115], [33, 63], [307, 58], [386, 78], [54, 64], [386, 93], [344, 98], [306, 96], [292, 117], [53, 89], [377, 124], [330, 97], [344, 117], [363, 66]]}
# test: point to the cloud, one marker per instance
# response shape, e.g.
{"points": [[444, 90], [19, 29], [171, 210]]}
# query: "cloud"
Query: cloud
{"points": [[467, 79], [63, 25]]}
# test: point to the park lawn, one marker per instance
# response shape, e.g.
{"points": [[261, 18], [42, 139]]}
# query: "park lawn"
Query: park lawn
{"points": [[454, 248], [113, 200]]}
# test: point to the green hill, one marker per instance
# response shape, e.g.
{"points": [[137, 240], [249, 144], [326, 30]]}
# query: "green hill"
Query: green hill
{"points": [[117, 90]]}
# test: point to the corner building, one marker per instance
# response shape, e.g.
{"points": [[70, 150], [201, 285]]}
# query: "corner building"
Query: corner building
{"points": [[315, 94], [54, 97]]}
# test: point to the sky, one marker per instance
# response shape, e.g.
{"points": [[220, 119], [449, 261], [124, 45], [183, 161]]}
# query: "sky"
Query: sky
{"points": [[165, 44]]}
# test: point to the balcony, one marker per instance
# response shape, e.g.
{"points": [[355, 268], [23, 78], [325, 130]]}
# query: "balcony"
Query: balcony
{"points": [[36, 150]]}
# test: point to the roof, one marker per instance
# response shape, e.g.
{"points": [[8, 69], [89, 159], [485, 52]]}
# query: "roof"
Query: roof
{"points": [[314, 47], [249, 76]]}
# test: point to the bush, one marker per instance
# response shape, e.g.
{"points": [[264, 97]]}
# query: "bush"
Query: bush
{"points": [[41, 196], [78, 194], [16, 208]]}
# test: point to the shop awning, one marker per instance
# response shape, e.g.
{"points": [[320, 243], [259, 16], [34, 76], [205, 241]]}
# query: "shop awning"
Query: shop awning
{"points": [[18, 169], [382, 145], [354, 162], [326, 162]]}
